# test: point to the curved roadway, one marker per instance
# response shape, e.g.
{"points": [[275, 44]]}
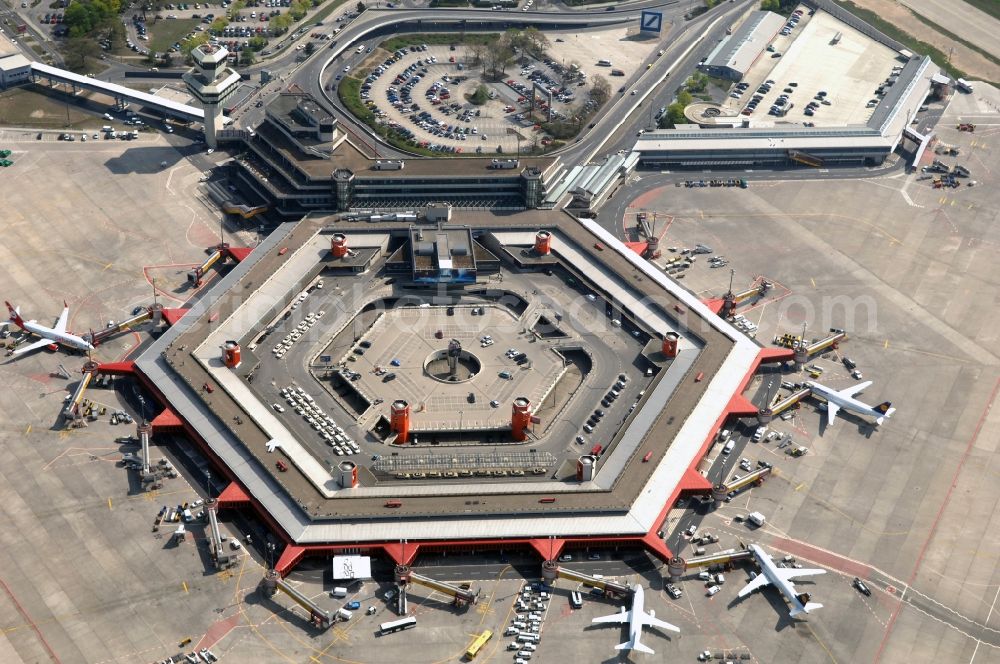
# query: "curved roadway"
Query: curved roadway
{"points": [[380, 22]]}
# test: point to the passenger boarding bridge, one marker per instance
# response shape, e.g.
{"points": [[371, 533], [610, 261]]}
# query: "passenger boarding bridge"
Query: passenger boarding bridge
{"points": [[42, 73]]}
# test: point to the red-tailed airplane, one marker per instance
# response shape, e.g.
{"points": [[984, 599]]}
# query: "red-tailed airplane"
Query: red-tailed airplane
{"points": [[50, 336]]}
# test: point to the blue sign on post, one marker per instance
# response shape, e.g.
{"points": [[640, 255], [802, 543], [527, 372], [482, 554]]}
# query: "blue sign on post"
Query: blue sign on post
{"points": [[651, 21]]}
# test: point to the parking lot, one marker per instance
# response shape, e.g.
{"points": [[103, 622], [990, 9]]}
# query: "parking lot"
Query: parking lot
{"points": [[809, 60], [441, 79], [423, 92]]}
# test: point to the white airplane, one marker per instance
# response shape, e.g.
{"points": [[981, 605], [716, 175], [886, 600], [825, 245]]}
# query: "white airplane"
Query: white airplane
{"points": [[837, 399], [636, 619], [781, 578], [49, 335]]}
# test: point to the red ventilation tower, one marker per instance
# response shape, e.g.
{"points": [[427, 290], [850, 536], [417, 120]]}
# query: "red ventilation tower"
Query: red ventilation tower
{"points": [[231, 354], [338, 245], [399, 420], [520, 418], [670, 341], [543, 243]]}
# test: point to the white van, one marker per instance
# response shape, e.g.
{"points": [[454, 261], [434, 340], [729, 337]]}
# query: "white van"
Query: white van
{"points": [[604, 63], [729, 447], [339, 591], [527, 638]]}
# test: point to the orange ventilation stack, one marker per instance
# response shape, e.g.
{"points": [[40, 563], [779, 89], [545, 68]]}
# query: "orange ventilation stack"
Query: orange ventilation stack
{"points": [[338, 245], [520, 418], [399, 420], [543, 243], [231, 354], [670, 341]]}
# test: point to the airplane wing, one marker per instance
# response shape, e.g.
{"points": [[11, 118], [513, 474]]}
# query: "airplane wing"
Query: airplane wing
{"points": [[758, 582], [620, 617], [831, 412], [854, 389], [273, 445], [790, 573], [41, 343], [60, 325], [656, 622]]}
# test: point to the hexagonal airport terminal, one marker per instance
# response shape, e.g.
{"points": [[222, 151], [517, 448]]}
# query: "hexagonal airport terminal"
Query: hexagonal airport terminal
{"points": [[463, 373]]}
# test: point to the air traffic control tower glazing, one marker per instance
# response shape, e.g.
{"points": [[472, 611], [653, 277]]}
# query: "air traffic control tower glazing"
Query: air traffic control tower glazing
{"points": [[211, 82]]}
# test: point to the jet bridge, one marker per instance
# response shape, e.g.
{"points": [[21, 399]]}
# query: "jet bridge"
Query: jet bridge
{"points": [[552, 570], [71, 410], [806, 351], [221, 556], [731, 300], [461, 597], [216, 253], [765, 415], [678, 566], [99, 337], [272, 583], [721, 491]]}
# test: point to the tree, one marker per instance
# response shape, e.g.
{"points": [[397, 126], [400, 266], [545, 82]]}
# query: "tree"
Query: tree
{"points": [[168, 60], [534, 41], [476, 55], [673, 116], [298, 10], [257, 42], [600, 89], [281, 23], [770, 5], [698, 82], [78, 50], [310, 48], [361, 6], [247, 57], [480, 96], [684, 98], [189, 45], [218, 25]]}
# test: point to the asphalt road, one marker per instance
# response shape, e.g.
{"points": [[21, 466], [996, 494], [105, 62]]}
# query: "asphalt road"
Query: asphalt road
{"points": [[309, 75]]}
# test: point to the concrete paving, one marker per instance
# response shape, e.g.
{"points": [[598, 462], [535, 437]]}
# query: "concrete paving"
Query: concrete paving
{"points": [[908, 506], [85, 579]]}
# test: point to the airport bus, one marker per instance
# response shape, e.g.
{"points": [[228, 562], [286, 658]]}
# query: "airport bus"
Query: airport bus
{"points": [[478, 644], [397, 625]]}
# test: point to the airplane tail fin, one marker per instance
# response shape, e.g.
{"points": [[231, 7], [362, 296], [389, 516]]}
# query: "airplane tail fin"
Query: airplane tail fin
{"points": [[15, 314], [635, 645], [885, 409]]}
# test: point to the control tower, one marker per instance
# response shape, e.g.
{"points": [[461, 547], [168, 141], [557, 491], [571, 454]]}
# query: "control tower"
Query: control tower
{"points": [[211, 82]]}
